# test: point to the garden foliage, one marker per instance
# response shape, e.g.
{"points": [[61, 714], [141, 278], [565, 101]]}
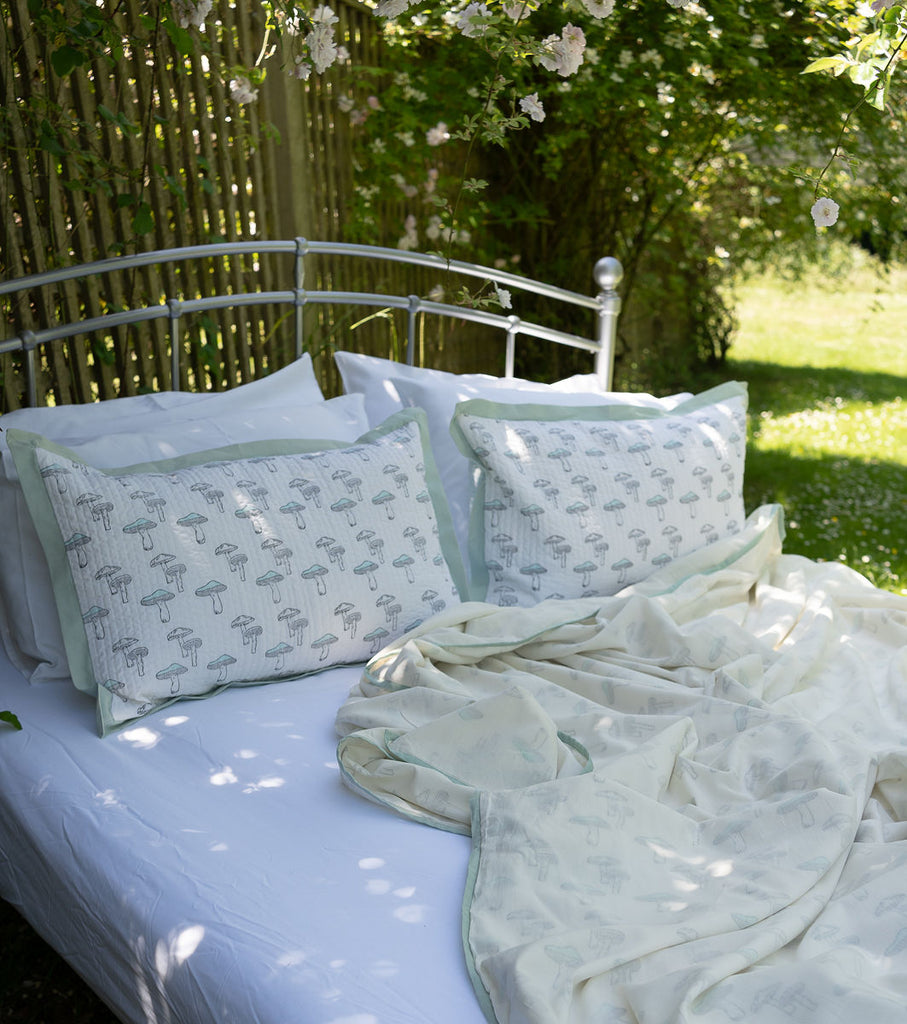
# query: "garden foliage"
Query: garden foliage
{"points": [[688, 142], [682, 137]]}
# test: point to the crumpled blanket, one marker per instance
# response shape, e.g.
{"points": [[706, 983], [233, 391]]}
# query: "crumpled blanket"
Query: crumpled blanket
{"points": [[687, 802]]}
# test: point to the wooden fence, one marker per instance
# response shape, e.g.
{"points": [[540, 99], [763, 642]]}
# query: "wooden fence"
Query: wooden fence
{"points": [[215, 186]]}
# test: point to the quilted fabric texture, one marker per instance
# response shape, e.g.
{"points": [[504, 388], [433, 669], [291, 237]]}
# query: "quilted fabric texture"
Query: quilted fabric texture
{"points": [[230, 567], [583, 501], [34, 639]]}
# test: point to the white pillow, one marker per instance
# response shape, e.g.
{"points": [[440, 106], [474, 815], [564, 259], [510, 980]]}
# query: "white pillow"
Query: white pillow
{"points": [[153, 426], [72, 423], [581, 501], [377, 378], [438, 395], [237, 565]]}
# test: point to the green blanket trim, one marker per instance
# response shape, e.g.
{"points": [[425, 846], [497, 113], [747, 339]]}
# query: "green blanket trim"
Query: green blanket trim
{"points": [[472, 871]]}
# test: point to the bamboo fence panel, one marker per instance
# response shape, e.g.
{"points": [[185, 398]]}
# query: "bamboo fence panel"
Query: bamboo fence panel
{"points": [[217, 188]]}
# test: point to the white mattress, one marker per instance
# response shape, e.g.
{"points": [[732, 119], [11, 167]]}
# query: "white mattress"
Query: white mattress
{"points": [[209, 866]]}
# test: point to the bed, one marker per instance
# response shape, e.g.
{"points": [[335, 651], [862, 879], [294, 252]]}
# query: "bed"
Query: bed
{"points": [[451, 698]]}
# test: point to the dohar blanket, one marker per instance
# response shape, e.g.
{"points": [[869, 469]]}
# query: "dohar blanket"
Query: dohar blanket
{"points": [[687, 802]]}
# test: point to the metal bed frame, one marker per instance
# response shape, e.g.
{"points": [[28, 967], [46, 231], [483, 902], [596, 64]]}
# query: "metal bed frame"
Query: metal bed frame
{"points": [[607, 274]]}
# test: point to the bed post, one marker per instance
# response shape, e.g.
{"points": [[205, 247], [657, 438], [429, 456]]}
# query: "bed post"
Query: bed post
{"points": [[175, 307], [302, 247], [28, 343], [608, 274], [412, 308], [510, 350]]}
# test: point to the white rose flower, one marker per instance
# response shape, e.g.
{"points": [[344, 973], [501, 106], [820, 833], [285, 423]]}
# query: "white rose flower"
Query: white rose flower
{"points": [[301, 69], [241, 90], [322, 48], [470, 20], [324, 16], [191, 12], [532, 106], [391, 8], [599, 8], [410, 240], [438, 135], [564, 53], [517, 11], [824, 212], [433, 229]]}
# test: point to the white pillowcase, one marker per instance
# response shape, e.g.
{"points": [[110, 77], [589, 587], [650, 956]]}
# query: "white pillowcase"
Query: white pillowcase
{"points": [[287, 403], [439, 396], [378, 380]]}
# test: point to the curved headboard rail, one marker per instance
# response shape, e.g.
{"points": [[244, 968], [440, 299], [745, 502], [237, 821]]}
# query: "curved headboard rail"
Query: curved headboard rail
{"points": [[177, 309]]}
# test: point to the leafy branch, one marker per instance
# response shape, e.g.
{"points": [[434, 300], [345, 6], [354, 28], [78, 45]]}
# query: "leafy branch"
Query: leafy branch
{"points": [[869, 62]]}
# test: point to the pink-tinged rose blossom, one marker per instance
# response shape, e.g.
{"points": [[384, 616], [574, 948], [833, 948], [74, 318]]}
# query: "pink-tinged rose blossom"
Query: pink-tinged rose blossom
{"points": [[532, 106], [241, 90]]}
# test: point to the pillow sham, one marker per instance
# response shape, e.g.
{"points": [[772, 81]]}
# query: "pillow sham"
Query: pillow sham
{"points": [[69, 424], [28, 626], [378, 379], [240, 564], [583, 501], [439, 397]]}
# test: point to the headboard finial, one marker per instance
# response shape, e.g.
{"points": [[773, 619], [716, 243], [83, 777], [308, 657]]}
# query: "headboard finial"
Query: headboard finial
{"points": [[608, 273]]}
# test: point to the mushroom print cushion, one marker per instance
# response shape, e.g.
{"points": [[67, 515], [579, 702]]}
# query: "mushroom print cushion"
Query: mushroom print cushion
{"points": [[238, 565], [582, 501]]}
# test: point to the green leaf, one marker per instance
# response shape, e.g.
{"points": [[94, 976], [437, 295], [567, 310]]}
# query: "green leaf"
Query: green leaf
{"points": [[867, 42], [66, 59], [10, 718], [180, 37], [864, 74], [51, 144], [879, 98], [143, 221], [837, 63], [175, 187]]}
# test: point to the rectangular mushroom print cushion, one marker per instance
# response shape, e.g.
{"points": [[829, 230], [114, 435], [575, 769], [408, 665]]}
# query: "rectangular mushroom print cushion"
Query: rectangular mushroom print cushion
{"points": [[583, 501], [28, 627], [240, 564]]}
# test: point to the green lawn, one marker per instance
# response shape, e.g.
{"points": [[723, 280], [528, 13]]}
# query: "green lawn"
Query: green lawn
{"points": [[826, 363]]}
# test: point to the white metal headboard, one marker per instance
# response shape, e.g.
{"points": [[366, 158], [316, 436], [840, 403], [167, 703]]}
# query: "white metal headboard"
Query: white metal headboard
{"points": [[607, 274]]}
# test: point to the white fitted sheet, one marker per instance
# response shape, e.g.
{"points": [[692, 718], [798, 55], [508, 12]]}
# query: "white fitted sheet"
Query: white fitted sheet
{"points": [[209, 866]]}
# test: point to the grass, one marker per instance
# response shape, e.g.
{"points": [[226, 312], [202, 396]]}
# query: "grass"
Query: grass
{"points": [[826, 364]]}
